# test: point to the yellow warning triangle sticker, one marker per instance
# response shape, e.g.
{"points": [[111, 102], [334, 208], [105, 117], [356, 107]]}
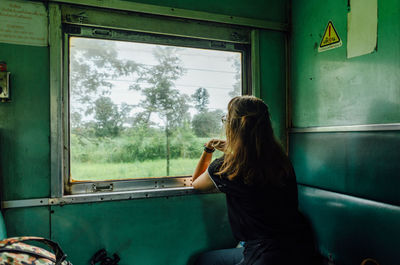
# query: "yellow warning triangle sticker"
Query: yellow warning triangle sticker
{"points": [[331, 39]]}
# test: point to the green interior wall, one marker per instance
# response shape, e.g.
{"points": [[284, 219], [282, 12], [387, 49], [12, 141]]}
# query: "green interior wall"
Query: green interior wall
{"points": [[33, 221], [25, 124], [329, 89], [273, 79], [348, 179], [148, 231], [257, 9], [363, 164]]}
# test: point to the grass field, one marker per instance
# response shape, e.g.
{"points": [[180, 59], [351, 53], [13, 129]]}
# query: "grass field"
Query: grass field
{"points": [[150, 168]]}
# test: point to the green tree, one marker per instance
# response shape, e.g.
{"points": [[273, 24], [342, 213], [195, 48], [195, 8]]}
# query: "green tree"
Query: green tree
{"points": [[201, 98], [207, 124], [109, 119], [161, 96], [237, 86], [94, 64]]}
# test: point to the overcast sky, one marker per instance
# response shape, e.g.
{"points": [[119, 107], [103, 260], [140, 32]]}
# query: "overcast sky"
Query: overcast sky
{"points": [[210, 69]]}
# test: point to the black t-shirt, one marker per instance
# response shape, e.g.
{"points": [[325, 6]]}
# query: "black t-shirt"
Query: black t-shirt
{"points": [[259, 212]]}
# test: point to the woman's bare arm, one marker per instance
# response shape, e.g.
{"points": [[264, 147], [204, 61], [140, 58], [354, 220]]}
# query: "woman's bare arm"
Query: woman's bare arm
{"points": [[202, 165], [200, 178]]}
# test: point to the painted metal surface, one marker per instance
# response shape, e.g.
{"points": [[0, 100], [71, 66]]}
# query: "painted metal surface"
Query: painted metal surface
{"points": [[56, 143], [25, 203], [255, 63], [28, 221], [101, 197], [258, 9], [254, 13], [363, 164], [24, 124], [166, 231], [350, 128], [350, 229], [327, 88], [330, 94], [273, 79], [152, 24], [150, 184]]}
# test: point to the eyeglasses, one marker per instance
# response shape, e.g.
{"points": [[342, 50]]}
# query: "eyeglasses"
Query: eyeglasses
{"points": [[223, 119]]}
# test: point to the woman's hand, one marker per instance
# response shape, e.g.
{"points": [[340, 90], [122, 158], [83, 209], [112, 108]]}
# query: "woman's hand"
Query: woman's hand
{"points": [[217, 144], [200, 178]]}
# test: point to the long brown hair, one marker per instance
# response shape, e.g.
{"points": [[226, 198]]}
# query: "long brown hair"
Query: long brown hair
{"points": [[252, 153]]}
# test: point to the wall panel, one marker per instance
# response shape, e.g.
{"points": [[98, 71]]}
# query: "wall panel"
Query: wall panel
{"points": [[329, 89], [24, 124], [350, 229], [147, 231], [33, 221], [364, 164], [258, 9], [273, 78]]}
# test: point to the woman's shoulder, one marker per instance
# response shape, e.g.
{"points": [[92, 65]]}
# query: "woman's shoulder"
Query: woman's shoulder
{"points": [[215, 166]]}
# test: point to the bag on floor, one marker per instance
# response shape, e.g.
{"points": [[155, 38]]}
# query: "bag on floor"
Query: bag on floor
{"points": [[14, 252]]}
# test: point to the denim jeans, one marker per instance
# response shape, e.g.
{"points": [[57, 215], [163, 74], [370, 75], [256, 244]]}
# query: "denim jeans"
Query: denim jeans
{"points": [[232, 256]]}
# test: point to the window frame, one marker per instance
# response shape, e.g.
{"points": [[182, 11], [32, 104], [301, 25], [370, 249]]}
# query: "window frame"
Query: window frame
{"points": [[142, 187]]}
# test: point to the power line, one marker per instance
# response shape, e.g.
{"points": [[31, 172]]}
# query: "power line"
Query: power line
{"points": [[126, 49], [198, 69], [178, 85]]}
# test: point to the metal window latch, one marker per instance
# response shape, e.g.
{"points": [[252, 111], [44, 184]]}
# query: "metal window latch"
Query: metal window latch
{"points": [[80, 18], [102, 32], [102, 187]]}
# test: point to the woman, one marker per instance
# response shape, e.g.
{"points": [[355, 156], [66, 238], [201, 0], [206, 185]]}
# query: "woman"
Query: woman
{"points": [[261, 191]]}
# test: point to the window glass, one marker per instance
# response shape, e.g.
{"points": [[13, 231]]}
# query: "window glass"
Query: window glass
{"points": [[143, 110]]}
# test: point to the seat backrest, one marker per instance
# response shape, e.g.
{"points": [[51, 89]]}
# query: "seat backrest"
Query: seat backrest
{"points": [[3, 232], [348, 189]]}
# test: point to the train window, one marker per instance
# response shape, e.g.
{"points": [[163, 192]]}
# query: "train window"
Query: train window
{"points": [[142, 105]]}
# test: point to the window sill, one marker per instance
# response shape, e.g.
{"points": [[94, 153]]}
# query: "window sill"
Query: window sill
{"points": [[147, 184], [102, 197]]}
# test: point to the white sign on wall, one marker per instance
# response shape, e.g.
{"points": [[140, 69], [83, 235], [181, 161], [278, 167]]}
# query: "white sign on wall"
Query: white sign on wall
{"points": [[362, 24], [23, 23]]}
